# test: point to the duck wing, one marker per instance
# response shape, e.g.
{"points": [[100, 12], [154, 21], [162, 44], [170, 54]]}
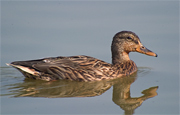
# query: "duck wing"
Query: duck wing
{"points": [[79, 68]]}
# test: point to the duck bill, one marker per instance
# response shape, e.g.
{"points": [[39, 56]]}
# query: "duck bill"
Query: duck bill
{"points": [[146, 51]]}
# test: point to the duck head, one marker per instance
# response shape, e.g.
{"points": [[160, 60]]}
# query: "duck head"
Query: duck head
{"points": [[125, 42]]}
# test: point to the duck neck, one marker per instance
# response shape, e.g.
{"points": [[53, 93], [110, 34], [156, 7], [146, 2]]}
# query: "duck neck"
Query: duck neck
{"points": [[120, 57]]}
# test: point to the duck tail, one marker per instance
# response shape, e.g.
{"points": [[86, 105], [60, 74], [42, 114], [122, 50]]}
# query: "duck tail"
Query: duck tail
{"points": [[23, 69]]}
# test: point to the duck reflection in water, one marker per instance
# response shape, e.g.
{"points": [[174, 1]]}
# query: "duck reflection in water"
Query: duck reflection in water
{"points": [[122, 96], [65, 88]]}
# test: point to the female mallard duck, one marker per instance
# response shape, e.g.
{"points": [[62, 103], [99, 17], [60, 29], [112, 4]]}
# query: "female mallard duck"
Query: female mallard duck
{"points": [[85, 68]]}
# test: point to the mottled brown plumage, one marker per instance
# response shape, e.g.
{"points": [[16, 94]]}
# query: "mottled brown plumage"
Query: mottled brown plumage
{"points": [[85, 68]]}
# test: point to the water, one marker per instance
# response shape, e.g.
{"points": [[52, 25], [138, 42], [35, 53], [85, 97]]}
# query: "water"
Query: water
{"points": [[32, 30]]}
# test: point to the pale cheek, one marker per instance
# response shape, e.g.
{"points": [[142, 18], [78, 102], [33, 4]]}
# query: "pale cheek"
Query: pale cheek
{"points": [[130, 47]]}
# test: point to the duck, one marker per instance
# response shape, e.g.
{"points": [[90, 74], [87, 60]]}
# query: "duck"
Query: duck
{"points": [[86, 68]]}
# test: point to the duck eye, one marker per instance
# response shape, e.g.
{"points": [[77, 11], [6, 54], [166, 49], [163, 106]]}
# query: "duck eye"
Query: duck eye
{"points": [[129, 38]]}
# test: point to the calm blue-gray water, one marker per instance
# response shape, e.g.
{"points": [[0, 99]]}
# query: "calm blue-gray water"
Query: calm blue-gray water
{"points": [[36, 29]]}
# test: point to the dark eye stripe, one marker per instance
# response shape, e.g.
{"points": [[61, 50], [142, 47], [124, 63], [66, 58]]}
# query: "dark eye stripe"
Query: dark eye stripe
{"points": [[135, 41], [129, 37], [132, 39]]}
